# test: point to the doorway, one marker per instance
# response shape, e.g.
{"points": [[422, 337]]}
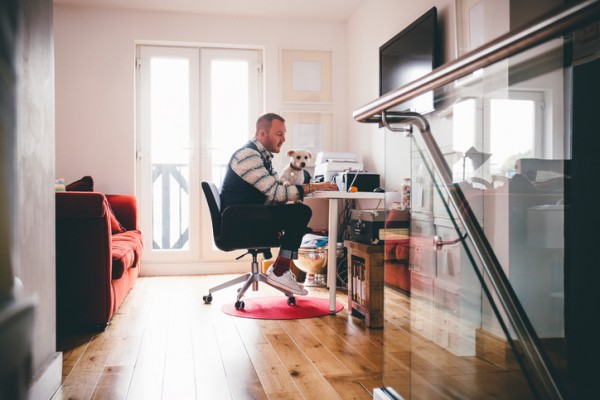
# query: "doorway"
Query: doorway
{"points": [[195, 106]]}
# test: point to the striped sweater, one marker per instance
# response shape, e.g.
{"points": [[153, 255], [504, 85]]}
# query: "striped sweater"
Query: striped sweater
{"points": [[250, 179]]}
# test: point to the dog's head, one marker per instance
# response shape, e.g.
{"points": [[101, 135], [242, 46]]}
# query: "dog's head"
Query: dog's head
{"points": [[299, 158]]}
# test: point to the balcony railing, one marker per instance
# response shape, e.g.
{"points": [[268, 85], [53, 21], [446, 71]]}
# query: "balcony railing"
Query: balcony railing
{"points": [[170, 185]]}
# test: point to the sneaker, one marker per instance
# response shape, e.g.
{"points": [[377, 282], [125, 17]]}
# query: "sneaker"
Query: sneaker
{"points": [[287, 281]]}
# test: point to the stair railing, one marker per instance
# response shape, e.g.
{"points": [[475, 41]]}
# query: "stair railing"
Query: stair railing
{"points": [[526, 344]]}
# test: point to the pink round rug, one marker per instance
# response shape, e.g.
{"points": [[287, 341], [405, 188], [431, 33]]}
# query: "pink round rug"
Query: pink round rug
{"points": [[276, 307]]}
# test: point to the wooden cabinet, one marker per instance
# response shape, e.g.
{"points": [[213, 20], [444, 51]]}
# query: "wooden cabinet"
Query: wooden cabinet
{"points": [[365, 282]]}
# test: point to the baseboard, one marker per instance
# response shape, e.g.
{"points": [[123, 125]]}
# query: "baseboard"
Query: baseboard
{"points": [[47, 381], [215, 268]]}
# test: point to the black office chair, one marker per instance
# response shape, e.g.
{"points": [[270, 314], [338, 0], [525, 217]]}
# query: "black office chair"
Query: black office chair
{"points": [[235, 229]]}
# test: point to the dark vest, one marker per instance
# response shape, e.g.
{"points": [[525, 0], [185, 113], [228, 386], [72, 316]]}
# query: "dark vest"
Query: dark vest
{"points": [[236, 191]]}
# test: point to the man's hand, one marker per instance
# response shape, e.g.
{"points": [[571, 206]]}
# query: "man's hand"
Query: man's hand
{"points": [[324, 186]]}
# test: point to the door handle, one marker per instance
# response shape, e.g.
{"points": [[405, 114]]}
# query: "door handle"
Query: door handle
{"points": [[438, 242]]}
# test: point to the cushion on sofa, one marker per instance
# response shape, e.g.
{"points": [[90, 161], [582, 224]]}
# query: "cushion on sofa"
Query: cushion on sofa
{"points": [[115, 225], [126, 251], [85, 184], [125, 209]]}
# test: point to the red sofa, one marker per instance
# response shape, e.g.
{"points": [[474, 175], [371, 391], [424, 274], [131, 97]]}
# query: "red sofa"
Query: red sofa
{"points": [[98, 252]]}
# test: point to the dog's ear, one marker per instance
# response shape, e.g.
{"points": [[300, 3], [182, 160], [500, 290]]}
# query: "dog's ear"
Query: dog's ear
{"points": [[309, 155], [291, 152]]}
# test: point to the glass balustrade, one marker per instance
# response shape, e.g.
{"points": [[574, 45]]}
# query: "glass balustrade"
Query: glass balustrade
{"points": [[510, 191]]}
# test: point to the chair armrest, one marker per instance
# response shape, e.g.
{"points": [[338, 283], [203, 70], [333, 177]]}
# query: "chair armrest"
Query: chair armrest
{"points": [[126, 209]]}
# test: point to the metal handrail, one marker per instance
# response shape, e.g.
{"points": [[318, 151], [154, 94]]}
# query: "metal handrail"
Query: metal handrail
{"points": [[508, 45], [505, 46]]}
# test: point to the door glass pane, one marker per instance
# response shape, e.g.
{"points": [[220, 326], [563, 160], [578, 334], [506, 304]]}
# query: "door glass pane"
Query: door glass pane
{"points": [[170, 116], [229, 111]]}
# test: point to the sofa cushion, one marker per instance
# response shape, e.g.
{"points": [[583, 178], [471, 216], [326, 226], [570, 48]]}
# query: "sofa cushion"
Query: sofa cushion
{"points": [[85, 184], [126, 251], [115, 225]]}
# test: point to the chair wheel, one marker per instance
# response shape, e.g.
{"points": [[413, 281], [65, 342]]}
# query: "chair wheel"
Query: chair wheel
{"points": [[239, 305], [207, 299], [291, 301]]}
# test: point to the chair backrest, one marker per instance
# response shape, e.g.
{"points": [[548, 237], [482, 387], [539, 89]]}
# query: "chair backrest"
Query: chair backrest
{"points": [[213, 199]]}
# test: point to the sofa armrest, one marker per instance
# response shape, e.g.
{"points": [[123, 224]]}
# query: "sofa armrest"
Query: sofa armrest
{"points": [[126, 210], [83, 259], [80, 205]]}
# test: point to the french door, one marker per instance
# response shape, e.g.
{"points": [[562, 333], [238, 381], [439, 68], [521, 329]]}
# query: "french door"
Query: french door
{"points": [[195, 107]]}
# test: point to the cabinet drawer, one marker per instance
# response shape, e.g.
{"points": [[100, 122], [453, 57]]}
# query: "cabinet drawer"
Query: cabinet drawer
{"points": [[421, 286], [453, 334], [422, 258], [421, 317], [453, 265], [463, 303]]}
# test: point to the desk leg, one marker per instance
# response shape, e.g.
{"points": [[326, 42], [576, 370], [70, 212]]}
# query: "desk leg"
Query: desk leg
{"points": [[332, 253]]}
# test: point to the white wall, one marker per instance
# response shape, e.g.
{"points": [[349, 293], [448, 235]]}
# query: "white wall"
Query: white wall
{"points": [[95, 79], [368, 28]]}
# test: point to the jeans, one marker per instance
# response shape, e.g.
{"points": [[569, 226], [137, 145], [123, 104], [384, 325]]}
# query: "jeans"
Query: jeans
{"points": [[293, 220]]}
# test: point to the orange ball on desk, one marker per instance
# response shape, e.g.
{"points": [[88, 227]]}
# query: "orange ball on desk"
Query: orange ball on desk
{"points": [[353, 189]]}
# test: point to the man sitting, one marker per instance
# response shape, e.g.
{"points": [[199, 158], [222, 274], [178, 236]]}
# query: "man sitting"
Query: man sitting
{"points": [[250, 179]]}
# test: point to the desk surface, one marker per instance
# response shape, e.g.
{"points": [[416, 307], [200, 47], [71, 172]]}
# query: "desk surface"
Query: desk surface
{"points": [[337, 194]]}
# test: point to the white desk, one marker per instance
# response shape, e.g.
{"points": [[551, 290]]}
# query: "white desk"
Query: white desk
{"points": [[333, 197]]}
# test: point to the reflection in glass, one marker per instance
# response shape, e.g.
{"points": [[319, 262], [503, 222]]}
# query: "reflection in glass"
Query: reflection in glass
{"points": [[512, 173], [511, 137]]}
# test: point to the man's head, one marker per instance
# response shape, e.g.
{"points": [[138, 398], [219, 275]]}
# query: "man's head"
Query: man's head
{"points": [[270, 131]]}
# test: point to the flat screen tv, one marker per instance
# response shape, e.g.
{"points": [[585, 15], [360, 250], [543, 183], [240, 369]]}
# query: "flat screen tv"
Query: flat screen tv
{"points": [[407, 56]]}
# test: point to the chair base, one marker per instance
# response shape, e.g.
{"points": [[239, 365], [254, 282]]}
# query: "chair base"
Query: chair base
{"points": [[249, 279]]}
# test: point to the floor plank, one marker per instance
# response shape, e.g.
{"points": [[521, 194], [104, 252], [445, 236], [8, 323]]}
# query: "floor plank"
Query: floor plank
{"points": [[323, 359], [165, 343]]}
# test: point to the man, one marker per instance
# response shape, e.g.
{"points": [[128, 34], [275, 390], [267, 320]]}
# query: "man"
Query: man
{"points": [[250, 179]]}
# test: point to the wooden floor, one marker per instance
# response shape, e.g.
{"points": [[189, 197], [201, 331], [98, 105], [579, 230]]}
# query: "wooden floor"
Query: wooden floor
{"points": [[165, 343]]}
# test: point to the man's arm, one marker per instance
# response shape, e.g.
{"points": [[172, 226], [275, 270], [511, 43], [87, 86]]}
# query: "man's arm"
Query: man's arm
{"points": [[248, 164]]}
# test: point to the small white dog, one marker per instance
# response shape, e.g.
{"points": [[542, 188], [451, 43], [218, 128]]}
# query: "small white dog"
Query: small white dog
{"points": [[293, 174]]}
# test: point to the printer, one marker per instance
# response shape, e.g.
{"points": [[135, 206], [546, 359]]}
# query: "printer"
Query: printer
{"points": [[329, 164]]}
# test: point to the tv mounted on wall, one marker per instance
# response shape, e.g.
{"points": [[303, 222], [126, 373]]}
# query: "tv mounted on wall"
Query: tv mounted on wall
{"points": [[407, 56]]}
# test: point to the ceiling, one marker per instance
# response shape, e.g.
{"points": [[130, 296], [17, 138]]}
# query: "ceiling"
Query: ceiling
{"points": [[321, 9]]}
